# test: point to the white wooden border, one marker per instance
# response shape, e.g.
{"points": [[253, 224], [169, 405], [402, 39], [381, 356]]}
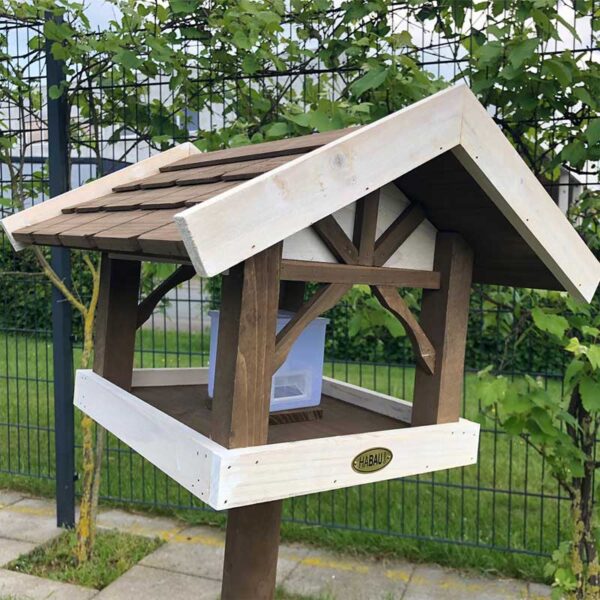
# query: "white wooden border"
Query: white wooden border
{"points": [[250, 217], [493, 162], [169, 376], [228, 478], [373, 401], [94, 189], [241, 222]]}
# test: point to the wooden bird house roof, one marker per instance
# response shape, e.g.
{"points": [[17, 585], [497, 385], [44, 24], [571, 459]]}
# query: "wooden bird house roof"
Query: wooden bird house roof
{"points": [[444, 153]]}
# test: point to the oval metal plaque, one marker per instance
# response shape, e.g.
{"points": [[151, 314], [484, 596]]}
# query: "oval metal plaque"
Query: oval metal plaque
{"points": [[372, 460]]}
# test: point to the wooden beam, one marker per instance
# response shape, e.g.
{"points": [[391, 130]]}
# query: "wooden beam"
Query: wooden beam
{"points": [[335, 238], [444, 317], [116, 320], [422, 347], [397, 233], [242, 395], [149, 303], [365, 227], [321, 301], [304, 270], [245, 349]]}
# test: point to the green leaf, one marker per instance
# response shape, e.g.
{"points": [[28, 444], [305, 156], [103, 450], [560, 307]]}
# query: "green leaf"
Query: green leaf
{"points": [[593, 355], [250, 64], [373, 79], [522, 51], [585, 97], [559, 70], [54, 92], [554, 324], [590, 394], [592, 132], [127, 59], [277, 130]]}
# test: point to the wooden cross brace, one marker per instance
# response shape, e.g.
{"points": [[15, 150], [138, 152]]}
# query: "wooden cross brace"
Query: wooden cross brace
{"points": [[364, 250]]}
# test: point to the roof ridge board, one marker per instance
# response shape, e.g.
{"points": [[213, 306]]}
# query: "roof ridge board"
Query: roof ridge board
{"points": [[296, 145]]}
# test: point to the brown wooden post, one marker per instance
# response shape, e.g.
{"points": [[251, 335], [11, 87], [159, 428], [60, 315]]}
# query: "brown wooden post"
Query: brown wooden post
{"points": [[116, 320], [444, 318], [242, 395]]}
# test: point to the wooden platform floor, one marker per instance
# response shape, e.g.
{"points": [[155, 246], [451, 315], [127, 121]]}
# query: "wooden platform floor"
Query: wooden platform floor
{"points": [[190, 404]]}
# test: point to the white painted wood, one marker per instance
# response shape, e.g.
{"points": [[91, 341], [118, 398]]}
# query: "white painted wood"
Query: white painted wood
{"points": [[169, 376], [264, 473], [497, 167], [240, 222], [189, 458], [373, 401], [418, 250], [245, 220], [225, 478], [94, 189]]}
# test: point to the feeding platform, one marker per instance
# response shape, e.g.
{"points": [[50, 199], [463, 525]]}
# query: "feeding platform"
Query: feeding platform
{"points": [[170, 422], [431, 197]]}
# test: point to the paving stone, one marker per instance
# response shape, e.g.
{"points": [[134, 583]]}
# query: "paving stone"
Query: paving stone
{"points": [[146, 525], [432, 582], [155, 584], [29, 520], [21, 586], [537, 591], [326, 574], [11, 549], [8, 497], [198, 551]]}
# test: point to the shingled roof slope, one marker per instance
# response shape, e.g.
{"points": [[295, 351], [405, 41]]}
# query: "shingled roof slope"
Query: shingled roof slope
{"points": [[137, 216]]}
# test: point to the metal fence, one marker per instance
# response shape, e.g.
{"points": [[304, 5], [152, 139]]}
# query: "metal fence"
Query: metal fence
{"points": [[506, 502]]}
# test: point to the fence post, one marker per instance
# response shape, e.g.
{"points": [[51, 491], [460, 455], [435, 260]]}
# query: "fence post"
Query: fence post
{"points": [[64, 434]]}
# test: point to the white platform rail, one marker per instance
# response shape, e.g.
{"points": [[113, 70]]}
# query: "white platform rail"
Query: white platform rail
{"points": [[226, 478]]}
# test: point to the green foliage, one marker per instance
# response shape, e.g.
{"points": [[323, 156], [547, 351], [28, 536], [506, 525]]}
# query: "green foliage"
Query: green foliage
{"points": [[563, 430]]}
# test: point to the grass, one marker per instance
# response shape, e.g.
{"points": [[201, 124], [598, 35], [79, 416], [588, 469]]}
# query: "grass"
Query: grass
{"points": [[114, 554], [506, 501]]}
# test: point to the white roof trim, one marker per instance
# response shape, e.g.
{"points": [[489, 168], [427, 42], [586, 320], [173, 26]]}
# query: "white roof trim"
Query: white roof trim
{"points": [[92, 190], [251, 217]]}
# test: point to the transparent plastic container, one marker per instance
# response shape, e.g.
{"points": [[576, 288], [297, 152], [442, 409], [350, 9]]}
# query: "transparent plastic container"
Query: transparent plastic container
{"points": [[297, 383]]}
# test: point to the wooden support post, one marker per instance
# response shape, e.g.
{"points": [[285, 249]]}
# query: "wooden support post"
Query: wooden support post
{"points": [[245, 353], [444, 318], [116, 320]]}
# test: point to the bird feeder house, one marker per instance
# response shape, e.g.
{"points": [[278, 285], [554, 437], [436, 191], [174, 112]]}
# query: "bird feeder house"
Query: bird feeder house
{"points": [[430, 197]]}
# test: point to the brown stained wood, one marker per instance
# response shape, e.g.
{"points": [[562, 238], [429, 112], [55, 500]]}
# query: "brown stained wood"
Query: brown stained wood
{"points": [[210, 190], [255, 168], [242, 396], [444, 318], [163, 241], [422, 347], [116, 320], [190, 404], [245, 348], [321, 301], [365, 227], [148, 304], [251, 549], [301, 270], [298, 415], [299, 145], [49, 231], [335, 238], [124, 236], [397, 233]]}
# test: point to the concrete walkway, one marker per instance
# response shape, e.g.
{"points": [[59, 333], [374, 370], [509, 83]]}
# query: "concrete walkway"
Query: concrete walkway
{"points": [[189, 565]]}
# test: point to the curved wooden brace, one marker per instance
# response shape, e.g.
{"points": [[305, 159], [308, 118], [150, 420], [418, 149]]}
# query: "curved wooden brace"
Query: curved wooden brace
{"points": [[324, 299], [148, 304], [424, 351]]}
